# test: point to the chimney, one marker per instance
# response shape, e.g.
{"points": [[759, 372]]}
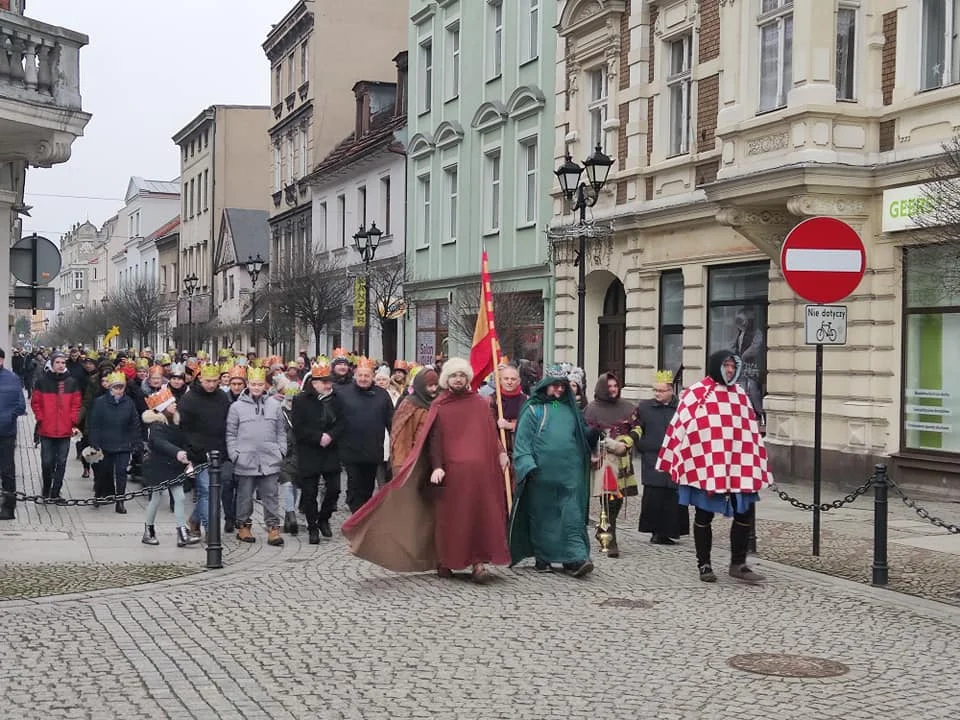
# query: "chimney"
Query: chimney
{"points": [[362, 94], [400, 105]]}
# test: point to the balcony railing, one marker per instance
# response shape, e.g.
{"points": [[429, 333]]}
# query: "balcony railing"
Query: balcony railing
{"points": [[39, 62]]}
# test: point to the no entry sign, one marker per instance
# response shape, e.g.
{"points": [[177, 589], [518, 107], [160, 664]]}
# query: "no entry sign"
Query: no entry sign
{"points": [[823, 260]]}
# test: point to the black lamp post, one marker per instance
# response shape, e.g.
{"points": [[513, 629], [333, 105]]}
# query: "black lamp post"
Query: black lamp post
{"points": [[254, 266], [190, 282], [366, 243], [584, 195]]}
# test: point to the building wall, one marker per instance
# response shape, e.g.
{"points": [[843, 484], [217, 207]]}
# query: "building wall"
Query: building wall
{"points": [[482, 128], [154, 210]]}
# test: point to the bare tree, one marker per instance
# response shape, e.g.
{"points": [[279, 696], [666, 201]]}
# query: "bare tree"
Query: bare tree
{"points": [[311, 293], [517, 315], [386, 283], [137, 307], [935, 267]]}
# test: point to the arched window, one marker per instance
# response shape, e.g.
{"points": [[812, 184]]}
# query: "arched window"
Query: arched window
{"points": [[615, 301]]}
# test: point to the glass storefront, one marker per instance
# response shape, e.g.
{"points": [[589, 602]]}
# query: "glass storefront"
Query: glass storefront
{"points": [[931, 394], [432, 329]]}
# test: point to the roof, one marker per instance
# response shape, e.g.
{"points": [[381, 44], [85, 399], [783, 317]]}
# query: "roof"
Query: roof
{"points": [[250, 232], [164, 229], [380, 135], [139, 185]]}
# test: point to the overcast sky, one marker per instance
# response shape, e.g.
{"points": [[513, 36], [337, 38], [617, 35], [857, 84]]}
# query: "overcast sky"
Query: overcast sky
{"points": [[151, 66]]}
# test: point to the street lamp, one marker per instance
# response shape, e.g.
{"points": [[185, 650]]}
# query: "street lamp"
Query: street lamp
{"points": [[254, 266], [583, 195], [190, 282], [366, 243]]}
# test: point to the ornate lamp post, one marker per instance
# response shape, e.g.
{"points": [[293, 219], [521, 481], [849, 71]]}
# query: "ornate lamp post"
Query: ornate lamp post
{"points": [[366, 243], [583, 195], [190, 282], [254, 266]]}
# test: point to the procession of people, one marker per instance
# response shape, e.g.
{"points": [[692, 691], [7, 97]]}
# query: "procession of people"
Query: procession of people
{"points": [[445, 472]]}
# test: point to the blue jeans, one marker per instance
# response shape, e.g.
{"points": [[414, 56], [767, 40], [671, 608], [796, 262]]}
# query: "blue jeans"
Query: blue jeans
{"points": [[228, 490], [201, 511], [53, 463], [289, 494]]}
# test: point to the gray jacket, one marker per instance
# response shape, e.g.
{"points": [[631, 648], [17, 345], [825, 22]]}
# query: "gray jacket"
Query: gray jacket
{"points": [[256, 436]]}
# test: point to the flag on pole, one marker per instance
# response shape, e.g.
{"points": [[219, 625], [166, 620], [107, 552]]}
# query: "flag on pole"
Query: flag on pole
{"points": [[485, 351]]}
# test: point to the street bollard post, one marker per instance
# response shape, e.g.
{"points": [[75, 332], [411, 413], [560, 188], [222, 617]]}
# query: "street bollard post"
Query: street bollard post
{"points": [[880, 488], [214, 547]]}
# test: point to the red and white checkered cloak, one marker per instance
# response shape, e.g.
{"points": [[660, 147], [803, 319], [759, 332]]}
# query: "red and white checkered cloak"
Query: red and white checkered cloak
{"points": [[713, 442]]}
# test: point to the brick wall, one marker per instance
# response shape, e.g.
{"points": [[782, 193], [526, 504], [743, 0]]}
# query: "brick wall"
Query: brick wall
{"points": [[649, 129], [709, 43], [624, 118], [651, 73], [706, 172], [648, 184], [888, 59], [621, 192], [625, 47], [708, 97], [887, 135]]}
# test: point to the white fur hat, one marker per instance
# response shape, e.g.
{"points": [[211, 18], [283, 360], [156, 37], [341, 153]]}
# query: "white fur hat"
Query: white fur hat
{"points": [[455, 365]]}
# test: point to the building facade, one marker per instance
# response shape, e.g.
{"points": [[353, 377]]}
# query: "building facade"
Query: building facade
{"points": [[481, 109], [224, 158], [314, 61], [148, 205], [167, 240], [79, 249], [40, 117], [362, 183], [729, 123]]}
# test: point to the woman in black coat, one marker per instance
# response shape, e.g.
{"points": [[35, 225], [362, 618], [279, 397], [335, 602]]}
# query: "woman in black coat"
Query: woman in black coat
{"points": [[167, 460], [113, 426]]}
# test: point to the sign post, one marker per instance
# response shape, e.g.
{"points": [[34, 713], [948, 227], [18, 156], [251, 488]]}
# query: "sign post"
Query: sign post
{"points": [[823, 261]]}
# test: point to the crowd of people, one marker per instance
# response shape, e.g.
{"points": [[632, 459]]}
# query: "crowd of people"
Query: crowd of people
{"points": [[472, 471]]}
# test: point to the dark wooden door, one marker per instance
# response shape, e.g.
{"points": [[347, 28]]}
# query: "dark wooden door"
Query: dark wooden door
{"points": [[612, 353]]}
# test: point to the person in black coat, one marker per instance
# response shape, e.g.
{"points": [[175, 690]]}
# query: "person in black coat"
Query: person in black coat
{"points": [[167, 460], [113, 427], [368, 414], [318, 427]]}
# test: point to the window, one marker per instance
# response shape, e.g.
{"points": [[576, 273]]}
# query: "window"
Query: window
{"points": [[670, 347], [597, 107], [776, 53], [423, 183], [491, 205], [78, 279], [277, 168], [206, 177], [940, 51], [322, 226], [163, 278], [304, 165], [737, 321], [362, 205], [931, 387], [191, 197], [528, 182], [432, 323], [426, 73], [304, 63], [530, 27], [278, 84], [342, 219], [451, 192], [453, 61], [291, 74], [846, 52], [223, 294], [495, 56], [385, 203], [232, 288], [678, 87], [291, 168]]}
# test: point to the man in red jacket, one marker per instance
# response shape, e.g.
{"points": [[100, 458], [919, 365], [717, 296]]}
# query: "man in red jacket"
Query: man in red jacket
{"points": [[56, 405]]}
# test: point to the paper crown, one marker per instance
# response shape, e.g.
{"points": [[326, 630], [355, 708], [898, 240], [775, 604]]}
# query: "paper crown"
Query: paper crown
{"points": [[291, 390], [160, 400], [225, 367], [340, 354], [256, 375], [365, 362], [664, 376], [201, 354], [143, 363], [116, 378], [155, 371], [224, 354], [192, 365], [210, 372], [402, 365], [177, 369], [320, 371], [93, 355], [164, 359], [238, 371]]}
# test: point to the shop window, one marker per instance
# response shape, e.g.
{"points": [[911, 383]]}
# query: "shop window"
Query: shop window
{"points": [[670, 346], [432, 330], [737, 321], [931, 396]]}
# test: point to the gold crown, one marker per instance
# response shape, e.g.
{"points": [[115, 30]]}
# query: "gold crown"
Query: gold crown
{"points": [[116, 378], [160, 398], [339, 353], [143, 363], [238, 371], [210, 372], [256, 375], [365, 362], [320, 370], [664, 376]]}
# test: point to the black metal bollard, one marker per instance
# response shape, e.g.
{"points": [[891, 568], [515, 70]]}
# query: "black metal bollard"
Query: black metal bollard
{"points": [[880, 487], [214, 548]]}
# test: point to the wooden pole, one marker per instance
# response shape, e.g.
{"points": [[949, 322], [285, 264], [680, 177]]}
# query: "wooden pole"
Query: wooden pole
{"points": [[503, 433]]}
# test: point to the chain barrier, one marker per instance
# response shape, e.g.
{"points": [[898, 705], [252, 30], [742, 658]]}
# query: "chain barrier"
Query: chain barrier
{"points": [[108, 500], [922, 511], [824, 507]]}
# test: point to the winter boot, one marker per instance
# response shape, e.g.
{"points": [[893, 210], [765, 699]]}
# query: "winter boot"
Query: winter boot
{"points": [[244, 534], [120, 508], [149, 536], [314, 535], [613, 550], [194, 526], [184, 538], [290, 526], [273, 537]]}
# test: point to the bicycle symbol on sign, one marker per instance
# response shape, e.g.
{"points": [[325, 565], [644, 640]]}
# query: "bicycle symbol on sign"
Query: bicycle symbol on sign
{"points": [[826, 331]]}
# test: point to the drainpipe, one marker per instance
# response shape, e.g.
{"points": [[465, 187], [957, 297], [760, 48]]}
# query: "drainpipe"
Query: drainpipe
{"points": [[392, 147]]}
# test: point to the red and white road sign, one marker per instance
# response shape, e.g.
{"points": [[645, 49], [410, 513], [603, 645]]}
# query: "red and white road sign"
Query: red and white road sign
{"points": [[823, 260]]}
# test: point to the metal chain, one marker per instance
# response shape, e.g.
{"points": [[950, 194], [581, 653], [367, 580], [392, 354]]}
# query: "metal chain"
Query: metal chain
{"points": [[824, 507], [71, 502], [922, 511]]}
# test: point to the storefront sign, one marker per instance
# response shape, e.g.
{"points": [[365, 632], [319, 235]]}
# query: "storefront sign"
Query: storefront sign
{"points": [[901, 207], [825, 324], [359, 302]]}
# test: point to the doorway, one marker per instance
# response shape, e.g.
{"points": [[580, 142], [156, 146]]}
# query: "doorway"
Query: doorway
{"points": [[612, 351]]}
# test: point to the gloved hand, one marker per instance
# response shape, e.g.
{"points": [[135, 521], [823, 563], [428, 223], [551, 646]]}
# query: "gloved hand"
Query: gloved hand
{"points": [[615, 447], [325, 440], [436, 477]]}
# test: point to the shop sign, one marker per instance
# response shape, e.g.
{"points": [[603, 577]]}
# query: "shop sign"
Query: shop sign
{"points": [[902, 205]]}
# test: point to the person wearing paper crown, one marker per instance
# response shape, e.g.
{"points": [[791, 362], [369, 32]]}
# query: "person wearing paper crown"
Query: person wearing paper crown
{"points": [[661, 515], [167, 460], [342, 374], [236, 382], [257, 444], [318, 425], [398, 380], [714, 451], [203, 420], [114, 428]]}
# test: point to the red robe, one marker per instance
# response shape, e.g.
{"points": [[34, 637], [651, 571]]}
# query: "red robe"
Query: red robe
{"points": [[410, 526]]}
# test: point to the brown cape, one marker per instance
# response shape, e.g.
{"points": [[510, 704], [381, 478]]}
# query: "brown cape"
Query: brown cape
{"points": [[397, 529]]}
